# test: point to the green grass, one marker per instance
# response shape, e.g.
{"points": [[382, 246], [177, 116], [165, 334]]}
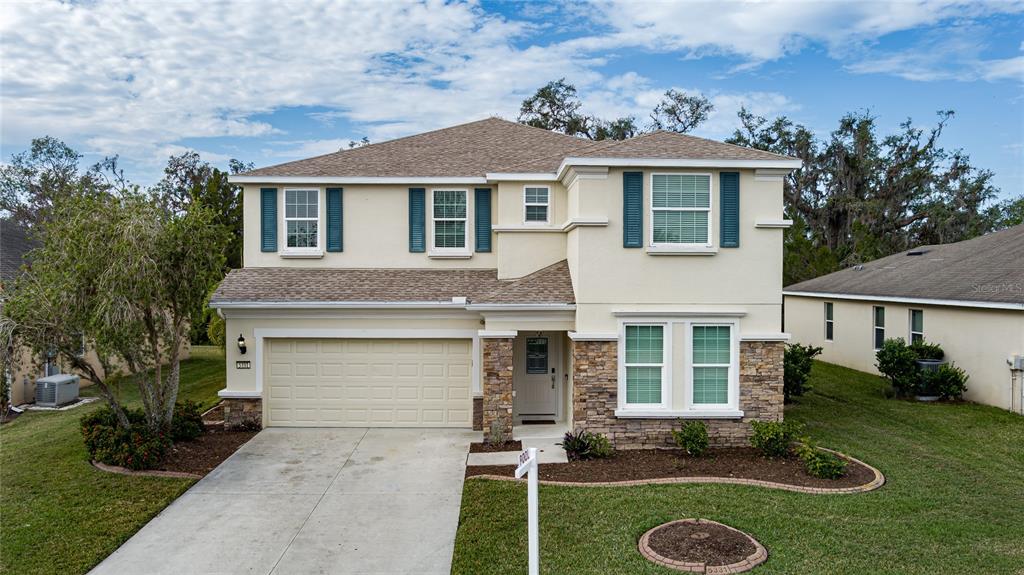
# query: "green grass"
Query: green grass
{"points": [[954, 501], [60, 515]]}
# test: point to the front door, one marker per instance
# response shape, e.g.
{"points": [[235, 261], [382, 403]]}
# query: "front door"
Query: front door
{"points": [[536, 375]]}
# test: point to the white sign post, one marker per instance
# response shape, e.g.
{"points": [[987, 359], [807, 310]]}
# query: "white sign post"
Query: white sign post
{"points": [[528, 465]]}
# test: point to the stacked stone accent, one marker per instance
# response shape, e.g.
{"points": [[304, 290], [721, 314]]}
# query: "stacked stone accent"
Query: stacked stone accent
{"points": [[497, 384], [243, 413], [478, 414], [595, 397]]}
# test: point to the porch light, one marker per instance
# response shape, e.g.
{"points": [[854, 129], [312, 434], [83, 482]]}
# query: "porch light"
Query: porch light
{"points": [[241, 344]]}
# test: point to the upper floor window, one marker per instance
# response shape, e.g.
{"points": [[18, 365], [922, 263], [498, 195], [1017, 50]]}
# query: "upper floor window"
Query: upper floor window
{"points": [[681, 209], [302, 218], [916, 326], [537, 200], [449, 218], [879, 334], [829, 322]]}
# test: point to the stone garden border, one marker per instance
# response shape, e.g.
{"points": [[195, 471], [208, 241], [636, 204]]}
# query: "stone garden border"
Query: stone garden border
{"points": [[759, 556], [152, 473], [878, 481]]}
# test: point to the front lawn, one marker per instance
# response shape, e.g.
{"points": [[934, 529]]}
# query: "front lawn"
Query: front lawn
{"points": [[60, 515], [953, 502]]}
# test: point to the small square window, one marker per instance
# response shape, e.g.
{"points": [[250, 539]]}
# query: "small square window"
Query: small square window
{"points": [[537, 201]]}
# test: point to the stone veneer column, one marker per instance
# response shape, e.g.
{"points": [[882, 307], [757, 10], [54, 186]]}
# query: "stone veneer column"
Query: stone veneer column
{"points": [[243, 413], [497, 388]]}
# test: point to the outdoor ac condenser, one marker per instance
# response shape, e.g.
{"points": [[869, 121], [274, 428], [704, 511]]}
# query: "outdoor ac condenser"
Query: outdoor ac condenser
{"points": [[56, 390]]}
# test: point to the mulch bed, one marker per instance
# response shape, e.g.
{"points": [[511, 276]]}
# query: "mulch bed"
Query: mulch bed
{"points": [[206, 452], [483, 447], [215, 413], [704, 542], [741, 463], [9, 416]]}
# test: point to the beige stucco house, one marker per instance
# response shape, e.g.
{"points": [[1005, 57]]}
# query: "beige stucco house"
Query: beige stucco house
{"points": [[967, 296], [491, 274]]}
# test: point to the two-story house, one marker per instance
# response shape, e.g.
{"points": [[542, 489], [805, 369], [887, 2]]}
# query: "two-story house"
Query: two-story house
{"points": [[491, 274]]}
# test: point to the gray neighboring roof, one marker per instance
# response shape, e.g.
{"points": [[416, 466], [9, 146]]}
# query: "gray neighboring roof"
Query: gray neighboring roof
{"points": [[988, 269], [14, 244], [499, 146], [260, 285]]}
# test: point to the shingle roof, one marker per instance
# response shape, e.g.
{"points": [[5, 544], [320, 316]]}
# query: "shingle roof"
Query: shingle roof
{"points": [[496, 145], [316, 285], [14, 244], [989, 268]]}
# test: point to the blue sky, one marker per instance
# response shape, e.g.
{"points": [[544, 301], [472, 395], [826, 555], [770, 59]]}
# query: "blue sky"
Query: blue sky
{"points": [[269, 82]]}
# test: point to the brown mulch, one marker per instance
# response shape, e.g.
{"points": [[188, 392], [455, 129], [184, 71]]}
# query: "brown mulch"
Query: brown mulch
{"points": [[484, 447], [706, 543], [215, 414], [204, 453], [739, 462], [8, 417]]}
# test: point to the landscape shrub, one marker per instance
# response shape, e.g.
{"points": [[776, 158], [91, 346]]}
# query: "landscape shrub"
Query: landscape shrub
{"points": [[692, 437], [947, 381], [898, 363], [773, 438], [926, 350], [135, 447], [797, 363], [187, 423], [584, 445], [821, 464]]}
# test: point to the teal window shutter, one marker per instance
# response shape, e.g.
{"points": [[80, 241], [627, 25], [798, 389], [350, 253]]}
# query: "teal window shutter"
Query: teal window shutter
{"points": [[268, 219], [417, 220], [334, 220], [730, 195], [632, 209], [482, 215]]}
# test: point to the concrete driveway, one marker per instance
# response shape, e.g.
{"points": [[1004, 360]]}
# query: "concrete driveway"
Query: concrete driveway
{"points": [[313, 501]]}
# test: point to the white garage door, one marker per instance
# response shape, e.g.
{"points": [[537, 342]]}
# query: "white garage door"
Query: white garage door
{"points": [[368, 382]]}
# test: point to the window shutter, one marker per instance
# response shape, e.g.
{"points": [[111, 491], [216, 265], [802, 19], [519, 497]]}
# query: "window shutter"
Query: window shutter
{"points": [[482, 215], [268, 219], [334, 220], [730, 200], [632, 209], [417, 220]]}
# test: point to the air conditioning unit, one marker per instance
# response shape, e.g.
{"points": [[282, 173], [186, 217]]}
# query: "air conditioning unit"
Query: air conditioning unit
{"points": [[56, 390]]}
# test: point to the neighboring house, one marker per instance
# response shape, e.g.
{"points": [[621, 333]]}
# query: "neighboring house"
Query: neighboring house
{"points": [[492, 273], [967, 296]]}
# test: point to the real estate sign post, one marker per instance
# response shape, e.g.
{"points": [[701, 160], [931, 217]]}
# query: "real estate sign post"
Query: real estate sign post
{"points": [[528, 465]]}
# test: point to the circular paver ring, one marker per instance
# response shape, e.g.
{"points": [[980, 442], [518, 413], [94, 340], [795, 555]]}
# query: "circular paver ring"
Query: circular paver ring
{"points": [[760, 555]]}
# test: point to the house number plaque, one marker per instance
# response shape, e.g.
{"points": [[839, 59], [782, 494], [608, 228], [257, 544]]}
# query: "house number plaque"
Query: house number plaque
{"points": [[243, 365]]}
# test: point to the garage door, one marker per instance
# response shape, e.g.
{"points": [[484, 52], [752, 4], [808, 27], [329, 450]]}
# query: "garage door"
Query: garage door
{"points": [[368, 382]]}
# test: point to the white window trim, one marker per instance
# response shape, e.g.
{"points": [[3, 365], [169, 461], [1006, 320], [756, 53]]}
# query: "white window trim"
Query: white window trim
{"points": [[463, 252], [688, 409], [547, 207], [874, 325], [682, 247], [302, 252], [666, 367], [824, 312], [910, 324]]}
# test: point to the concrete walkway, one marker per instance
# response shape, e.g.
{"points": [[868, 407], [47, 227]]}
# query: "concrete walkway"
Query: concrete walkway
{"points": [[313, 501]]}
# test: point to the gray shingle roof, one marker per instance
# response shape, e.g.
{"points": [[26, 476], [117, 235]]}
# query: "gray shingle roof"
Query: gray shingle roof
{"points": [[496, 145], [312, 285], [989, 268], [14, 244]]}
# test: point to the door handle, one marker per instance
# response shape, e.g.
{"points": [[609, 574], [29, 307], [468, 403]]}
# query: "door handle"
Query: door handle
{"points": [[552, 381]]}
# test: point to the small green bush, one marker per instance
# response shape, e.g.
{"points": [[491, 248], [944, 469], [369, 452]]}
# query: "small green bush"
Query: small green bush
{"points": [[898, 363], [692, 437], [797, 362], [187, 423], [947, 381], [925, 350], [773, 438], [584, 445], [135, 447], [820, 464]]}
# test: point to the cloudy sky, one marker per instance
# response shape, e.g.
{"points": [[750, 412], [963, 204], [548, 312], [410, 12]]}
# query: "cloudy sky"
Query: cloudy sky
{"points": [[272, 81]]}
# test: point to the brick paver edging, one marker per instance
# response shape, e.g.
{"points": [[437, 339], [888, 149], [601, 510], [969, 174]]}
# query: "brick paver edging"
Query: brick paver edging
{"points": [[155, 473], [759, 556], [875, 483]]}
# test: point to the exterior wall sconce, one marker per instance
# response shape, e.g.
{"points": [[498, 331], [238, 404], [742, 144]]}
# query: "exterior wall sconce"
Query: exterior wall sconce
{"points": [[241, 344]]}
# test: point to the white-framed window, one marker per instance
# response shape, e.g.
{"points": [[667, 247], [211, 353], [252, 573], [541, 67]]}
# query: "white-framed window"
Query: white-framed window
{"points": [[536, 204], [878, 334], [644, 366], [829, 322], [681, 210], [711, 363], [302, 219], [449, 216], [916, 325]]}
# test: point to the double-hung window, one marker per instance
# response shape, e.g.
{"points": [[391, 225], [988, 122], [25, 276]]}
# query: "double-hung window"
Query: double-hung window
{"points": [[916, 326], [536, 202], [645, 365], [829, 322], [681, 209], [449, 218], [712, 360], [879, 333], [302, 219]]}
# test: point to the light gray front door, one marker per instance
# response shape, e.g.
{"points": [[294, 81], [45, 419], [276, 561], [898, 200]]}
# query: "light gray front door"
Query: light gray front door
{"points": [[535, 377]]}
